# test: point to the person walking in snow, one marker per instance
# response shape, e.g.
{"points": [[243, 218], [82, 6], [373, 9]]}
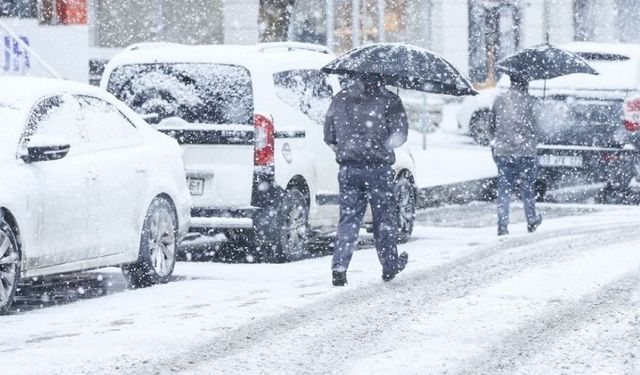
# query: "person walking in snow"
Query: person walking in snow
{"points": [[515, 152], [363, 125]]}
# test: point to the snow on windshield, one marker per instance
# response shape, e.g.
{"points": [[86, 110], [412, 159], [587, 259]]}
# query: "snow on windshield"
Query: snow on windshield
{"points": [[197, 93]]}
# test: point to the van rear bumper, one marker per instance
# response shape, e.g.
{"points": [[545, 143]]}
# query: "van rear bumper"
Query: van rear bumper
{"points": [[221, 223], [206, 219], [260, 217]]}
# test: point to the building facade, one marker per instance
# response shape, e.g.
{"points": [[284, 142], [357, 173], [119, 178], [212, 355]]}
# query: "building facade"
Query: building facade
{"points": [[473, 34]]}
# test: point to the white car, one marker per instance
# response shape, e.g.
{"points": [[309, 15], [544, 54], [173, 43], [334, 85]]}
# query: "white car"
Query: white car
{"points": [[475, 115], [250, 121], [86, 183]]}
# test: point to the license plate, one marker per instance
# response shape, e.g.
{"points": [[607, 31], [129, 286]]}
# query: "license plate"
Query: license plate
{"points": [[196, 185], [560, 161]]}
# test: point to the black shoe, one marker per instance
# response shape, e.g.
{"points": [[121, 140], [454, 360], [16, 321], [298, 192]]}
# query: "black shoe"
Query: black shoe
{"points": [[502, 232], [533, 226], [403, 259], [339, 278]]}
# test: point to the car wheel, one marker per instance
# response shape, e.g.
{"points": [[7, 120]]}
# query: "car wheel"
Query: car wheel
{"points": [[10, 261], [481, 127], [540, 188], [158, 244], [293, 232], [613, 194], [406, 197]]}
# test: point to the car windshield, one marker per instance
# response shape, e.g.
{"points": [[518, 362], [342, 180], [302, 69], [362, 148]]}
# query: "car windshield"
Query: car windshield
{"points": [[196, 93]]}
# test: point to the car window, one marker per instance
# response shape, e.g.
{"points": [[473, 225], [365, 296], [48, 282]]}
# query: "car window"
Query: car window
{"points": [[104, 124], [309, 91], [58, 117], [197, 93]]}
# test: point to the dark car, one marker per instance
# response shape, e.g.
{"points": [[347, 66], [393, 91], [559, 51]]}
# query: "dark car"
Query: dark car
{"points": [[580, 119]]}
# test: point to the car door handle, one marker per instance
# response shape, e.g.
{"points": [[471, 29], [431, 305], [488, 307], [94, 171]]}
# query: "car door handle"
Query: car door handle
{"points": [[141, 170]]}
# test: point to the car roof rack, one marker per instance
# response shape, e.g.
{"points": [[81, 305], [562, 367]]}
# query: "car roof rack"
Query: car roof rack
{"points": [[293, 46], [150, 45]]}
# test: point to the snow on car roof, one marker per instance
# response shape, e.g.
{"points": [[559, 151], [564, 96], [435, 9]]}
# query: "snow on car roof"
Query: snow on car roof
{"points": [[272, 58], [22, 92], [18, 95], [623, 49]]}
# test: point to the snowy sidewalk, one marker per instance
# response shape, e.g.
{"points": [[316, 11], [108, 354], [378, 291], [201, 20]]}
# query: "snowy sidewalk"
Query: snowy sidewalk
{"points": [[450, 156], [452, 168]]}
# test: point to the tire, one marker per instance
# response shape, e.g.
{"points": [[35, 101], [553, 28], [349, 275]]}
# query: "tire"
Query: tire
{"points": [[541, 188], [406, 198], [489, 191], [158, 246], [10, 262], [292, 233], [613, 194], [481, 127]]}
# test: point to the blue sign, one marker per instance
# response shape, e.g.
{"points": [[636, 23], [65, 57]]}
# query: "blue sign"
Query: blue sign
{"points": [[16, 58]]}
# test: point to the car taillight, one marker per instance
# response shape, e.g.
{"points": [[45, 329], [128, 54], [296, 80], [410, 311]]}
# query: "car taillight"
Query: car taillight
{"points": [[632, 114], [264, 139]]}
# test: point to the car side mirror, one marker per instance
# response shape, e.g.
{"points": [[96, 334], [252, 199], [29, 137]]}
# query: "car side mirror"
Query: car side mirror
{"points": [[151, 118], [45, 149]]}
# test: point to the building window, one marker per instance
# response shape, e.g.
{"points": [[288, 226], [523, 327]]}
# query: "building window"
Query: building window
{"points": [[65, 12], [370, 13], [628, 25], [19, 8], [494, 33], [395, 16], [308, 22], [583, 28], [343, 24]]}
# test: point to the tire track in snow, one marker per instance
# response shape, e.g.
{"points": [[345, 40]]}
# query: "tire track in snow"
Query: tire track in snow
{"points": [[523, 344], [322, 337]]}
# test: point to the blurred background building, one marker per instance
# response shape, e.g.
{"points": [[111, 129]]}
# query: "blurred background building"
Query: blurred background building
{"points": [[473, 34]]}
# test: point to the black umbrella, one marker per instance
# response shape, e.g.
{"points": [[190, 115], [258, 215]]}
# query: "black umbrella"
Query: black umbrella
{"points": [[544, 61], [405, 66]]}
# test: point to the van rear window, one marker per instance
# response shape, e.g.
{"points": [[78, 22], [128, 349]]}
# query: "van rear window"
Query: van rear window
{"points": [[196, 93]]}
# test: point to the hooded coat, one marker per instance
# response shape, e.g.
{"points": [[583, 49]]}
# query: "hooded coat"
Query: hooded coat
{"points": [[364, 124]]}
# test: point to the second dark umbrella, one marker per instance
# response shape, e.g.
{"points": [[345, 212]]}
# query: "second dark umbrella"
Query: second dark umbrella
{"points": [[544, 61]]}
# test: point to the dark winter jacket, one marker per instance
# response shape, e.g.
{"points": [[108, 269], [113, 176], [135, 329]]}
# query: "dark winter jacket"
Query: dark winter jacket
{"points": [[515, 133], [363, 126]]}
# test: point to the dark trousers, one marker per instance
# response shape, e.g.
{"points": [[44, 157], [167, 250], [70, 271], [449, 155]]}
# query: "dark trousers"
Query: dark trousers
{"points": [[359, 186], [513, 173]]}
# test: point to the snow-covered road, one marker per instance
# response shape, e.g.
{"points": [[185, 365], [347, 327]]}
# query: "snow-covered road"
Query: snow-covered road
{"points": [[563, 300]]}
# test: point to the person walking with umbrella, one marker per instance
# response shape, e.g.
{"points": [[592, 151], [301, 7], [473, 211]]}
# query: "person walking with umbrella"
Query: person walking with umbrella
{"points": [[363, 125], [515, 151], [516, 141]]}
